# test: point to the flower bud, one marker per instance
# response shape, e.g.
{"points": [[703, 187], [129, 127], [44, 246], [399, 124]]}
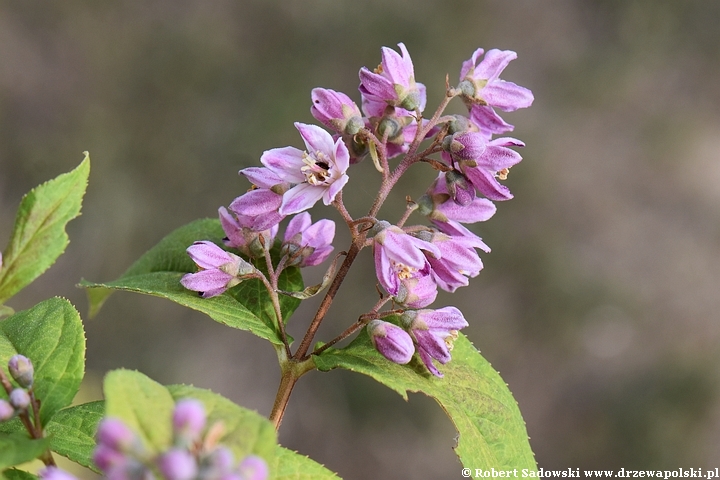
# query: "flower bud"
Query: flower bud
{"points": [[188, 420], [6, 410], [21, 369], [177, 464], [391, 341], [107, 458], [460, 190], [435, 332], [20, 399], [458, 124], [253, 468], [54, 473], [114, 434]]}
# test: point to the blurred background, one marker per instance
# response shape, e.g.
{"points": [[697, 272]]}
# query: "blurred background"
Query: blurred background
{"points": [[598, 305]]}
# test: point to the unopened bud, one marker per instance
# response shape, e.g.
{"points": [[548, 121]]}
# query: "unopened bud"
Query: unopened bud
{"points": [[177, 464], [458, 124], [114, 434], [459, 188], [188, 420], [6, 410], [20, 399], [391, 341], [253, 468], [21, 369]]}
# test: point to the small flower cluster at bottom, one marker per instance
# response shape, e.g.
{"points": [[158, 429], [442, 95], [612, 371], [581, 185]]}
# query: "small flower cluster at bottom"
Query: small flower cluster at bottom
{"points": [[432, 331], [121, 455]]}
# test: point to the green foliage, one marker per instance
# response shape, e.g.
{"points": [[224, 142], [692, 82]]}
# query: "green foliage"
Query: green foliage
{"points": [[15, 474], [38, 237], [246, 306], [51, 335], [289, 465], [491, 430], [16, 449], [72, 432]]}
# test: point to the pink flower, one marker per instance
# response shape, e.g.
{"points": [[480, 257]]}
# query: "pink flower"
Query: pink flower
{"points": [[392, 83], [308, 244], [434, 332], [219, 270], [438, 205], [493, 164], [336, 111], [483, 89], [318, 172]]}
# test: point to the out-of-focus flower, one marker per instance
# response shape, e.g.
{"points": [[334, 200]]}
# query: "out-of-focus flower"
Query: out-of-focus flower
{"points": [[308, 244], [318, 172], [336, 111], [55, 473], [188, 420], [434, 332], [393, 81], [219, 270], [253, 467], [177, 464], [391, 341], [6, 410]]}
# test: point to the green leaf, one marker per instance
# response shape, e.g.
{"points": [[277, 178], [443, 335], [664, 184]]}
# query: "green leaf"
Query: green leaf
{"points": [[246, 306], [491, 430], [291, 465], [15, 474], [72, 432], [38, 237], [51, 335], [246, 431], [17, 448], [223, 309], [143, 404]]}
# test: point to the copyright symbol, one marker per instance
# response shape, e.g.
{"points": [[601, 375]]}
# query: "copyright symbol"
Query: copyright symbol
{"points": [[466, 472]]}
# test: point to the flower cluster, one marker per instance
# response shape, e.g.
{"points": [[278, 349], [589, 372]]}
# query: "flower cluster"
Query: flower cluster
{"points": [[429, 332], [19, 397], [120, 453], [412, 262]]}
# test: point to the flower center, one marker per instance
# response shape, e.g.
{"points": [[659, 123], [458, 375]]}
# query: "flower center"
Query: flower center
{"points": [[450, 339], [316, 168], [403, 271], [502, 174]]}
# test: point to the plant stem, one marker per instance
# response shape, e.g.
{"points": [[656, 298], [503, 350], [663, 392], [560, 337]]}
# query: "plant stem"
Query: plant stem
{"points": [[292, 370]]}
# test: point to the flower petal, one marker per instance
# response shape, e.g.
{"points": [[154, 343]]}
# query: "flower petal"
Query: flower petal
{"points": [[285, 162], [300, 198]]}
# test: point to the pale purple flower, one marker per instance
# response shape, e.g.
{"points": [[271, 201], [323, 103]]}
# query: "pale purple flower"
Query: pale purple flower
{"points": [[434, 332], [318, 172], [21, 369], [219, 270], [483, 89], [336, 111], [494, 163], [391, 341], [55, 473], [458, 260], [308, 244], [257, 210], [415, 288], [488, 88], [253, 467], [401, 265], [437, 204], [188, 420], [107, 458], [393, 81], [241, 236]]}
